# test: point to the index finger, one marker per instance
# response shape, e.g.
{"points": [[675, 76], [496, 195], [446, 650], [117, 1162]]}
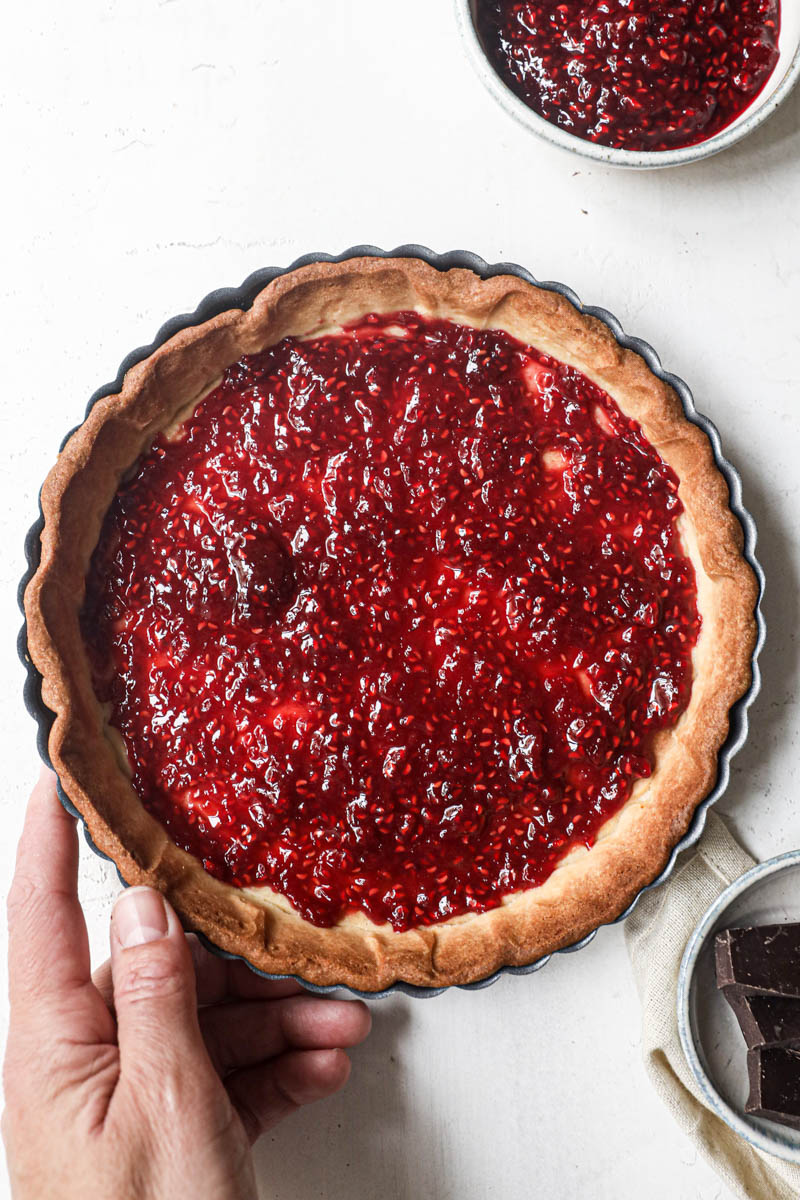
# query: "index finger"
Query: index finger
{"points": [[48, 945]]}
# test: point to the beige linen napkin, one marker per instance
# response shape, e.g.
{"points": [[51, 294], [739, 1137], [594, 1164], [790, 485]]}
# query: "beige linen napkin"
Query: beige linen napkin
{"points": [[656, 934]]}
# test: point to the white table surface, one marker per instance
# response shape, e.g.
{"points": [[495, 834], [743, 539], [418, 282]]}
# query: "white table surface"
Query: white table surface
{"points": [[155, 151]]}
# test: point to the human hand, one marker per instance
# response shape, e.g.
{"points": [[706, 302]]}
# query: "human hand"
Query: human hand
{"points": [[119, 1087]]}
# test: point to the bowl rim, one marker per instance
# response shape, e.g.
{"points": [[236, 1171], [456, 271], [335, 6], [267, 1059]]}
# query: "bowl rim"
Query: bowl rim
{"points": [[775, 1143], [757, 113], [243, 297]]}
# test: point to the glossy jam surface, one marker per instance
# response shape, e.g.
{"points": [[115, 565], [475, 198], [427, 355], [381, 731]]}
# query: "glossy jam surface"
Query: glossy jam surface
{"points": [[634, 74], [390, 625]]}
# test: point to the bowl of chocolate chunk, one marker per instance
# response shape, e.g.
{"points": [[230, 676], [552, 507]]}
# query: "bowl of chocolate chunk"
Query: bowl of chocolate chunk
{"points": [[739, 1006]]}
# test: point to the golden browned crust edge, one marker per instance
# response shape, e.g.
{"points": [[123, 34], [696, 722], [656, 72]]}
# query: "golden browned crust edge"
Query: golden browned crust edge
{"points": [[588, 888]]}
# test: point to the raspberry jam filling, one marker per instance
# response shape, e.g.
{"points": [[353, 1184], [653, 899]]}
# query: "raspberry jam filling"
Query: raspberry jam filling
{"points": [[390, 623], [634, 74]]}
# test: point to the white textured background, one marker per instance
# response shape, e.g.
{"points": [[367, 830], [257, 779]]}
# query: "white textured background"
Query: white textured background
{"points": [[154, 151]]}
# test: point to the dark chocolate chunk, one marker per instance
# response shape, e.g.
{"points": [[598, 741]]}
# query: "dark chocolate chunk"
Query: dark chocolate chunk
{"points": [[774, 1084], [763, 959], [765, 1020]]}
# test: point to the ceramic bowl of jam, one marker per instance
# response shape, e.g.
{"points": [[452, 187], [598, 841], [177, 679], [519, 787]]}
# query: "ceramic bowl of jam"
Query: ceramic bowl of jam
{"points": [[636, 83]]}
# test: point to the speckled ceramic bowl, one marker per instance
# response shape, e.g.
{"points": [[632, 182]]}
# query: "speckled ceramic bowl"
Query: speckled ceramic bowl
{"points": [[783, 79], [712, 1041]]}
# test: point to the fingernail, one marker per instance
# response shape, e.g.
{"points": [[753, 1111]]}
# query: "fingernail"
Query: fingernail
{"points": [[140, 916]]}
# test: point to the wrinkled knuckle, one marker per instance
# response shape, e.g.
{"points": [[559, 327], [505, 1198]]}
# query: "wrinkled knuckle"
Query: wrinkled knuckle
{"points": [[75, 1067], [148, 972]]}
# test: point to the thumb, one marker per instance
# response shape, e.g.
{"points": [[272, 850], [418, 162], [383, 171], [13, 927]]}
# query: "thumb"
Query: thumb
{"points": [[154, 989]]}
